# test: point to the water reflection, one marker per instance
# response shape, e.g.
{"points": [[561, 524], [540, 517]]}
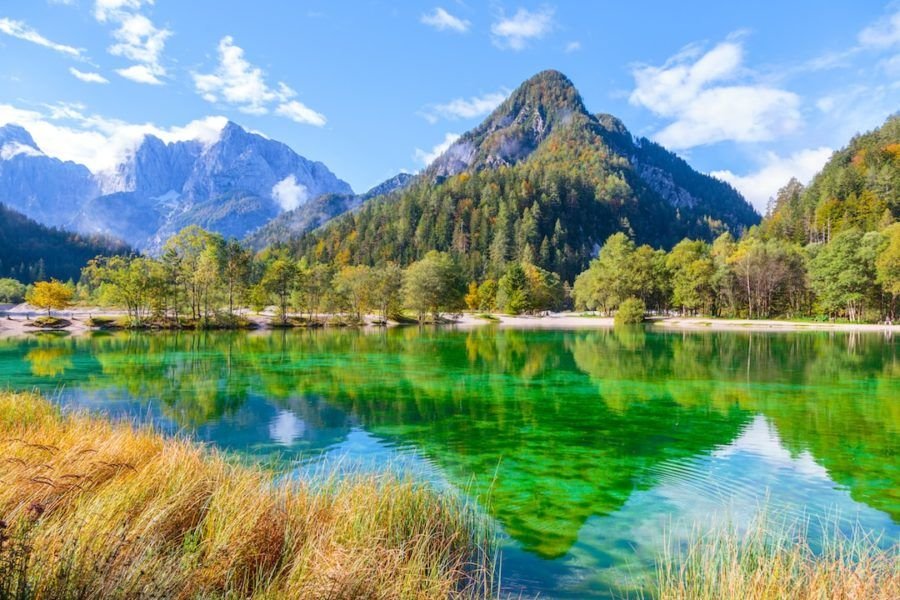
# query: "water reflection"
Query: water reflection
{"points": [[585, 443]]}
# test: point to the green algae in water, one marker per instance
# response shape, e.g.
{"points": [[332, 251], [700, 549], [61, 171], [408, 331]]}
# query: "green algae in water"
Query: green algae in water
{"points": [[583, 446]]}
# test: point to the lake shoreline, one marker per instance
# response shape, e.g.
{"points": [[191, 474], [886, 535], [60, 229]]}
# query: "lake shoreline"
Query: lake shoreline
{"points": [[17, 322]]}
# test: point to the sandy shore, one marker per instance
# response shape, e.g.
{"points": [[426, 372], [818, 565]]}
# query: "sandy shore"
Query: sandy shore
{"points": [[14, 322]]}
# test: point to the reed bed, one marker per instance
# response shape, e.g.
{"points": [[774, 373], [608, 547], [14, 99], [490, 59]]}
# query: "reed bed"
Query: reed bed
{"points": [[774, 560], [92, 509]]}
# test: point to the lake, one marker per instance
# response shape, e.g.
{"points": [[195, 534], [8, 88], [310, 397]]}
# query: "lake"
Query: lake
{"points": [[587, 448]]}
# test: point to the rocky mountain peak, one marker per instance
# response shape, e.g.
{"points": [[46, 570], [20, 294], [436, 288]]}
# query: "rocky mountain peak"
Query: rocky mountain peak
{"points": [[517, 127]]}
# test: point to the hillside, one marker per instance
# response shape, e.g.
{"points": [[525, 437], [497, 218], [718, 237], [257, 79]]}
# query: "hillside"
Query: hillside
{"points": [[541, 179], [859, 187], [30, 251], [318, 211]]}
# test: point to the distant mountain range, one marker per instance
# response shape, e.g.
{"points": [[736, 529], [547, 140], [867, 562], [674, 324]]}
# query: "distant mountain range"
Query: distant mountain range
{"points": [[542, 180], [233, 186], [579, 176]]}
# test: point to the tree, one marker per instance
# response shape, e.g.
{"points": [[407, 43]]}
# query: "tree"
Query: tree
{"points": [[127, 281], [433, 285], [50, 295], [513, 294], [692, 273], [471, 298], [279, 280], [840, 276], [316, 286], [356, 284], [193, 252], [887, 265], [234, 269], [544, 288], [11, 290], [387, 289], [487, 295]]}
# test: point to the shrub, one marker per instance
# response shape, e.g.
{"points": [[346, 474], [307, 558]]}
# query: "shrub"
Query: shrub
{"points": [[631, 312]]}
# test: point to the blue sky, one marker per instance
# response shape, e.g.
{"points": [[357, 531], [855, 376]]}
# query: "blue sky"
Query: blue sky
{"points": [[754, 92]]}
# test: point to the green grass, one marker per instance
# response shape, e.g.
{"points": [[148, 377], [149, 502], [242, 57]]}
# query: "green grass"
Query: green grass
{"points": [[98, 510]]}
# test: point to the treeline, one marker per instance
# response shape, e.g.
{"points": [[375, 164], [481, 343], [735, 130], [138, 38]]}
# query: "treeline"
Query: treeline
{"points": [[855, 276], [204, 280]]}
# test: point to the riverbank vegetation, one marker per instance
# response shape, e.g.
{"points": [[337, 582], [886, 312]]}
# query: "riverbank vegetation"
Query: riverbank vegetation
{"points": [[93, 509], [772, 560], [205, 281]]}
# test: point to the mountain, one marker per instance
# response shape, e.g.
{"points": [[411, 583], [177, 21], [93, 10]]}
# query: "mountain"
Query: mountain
{"points": [[231, 185], [44, 188], [303, 219], [543, 180], [858, 187], [30, 251]]}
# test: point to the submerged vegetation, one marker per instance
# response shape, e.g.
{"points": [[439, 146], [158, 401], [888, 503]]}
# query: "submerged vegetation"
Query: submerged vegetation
{"points": [[93, 509]]}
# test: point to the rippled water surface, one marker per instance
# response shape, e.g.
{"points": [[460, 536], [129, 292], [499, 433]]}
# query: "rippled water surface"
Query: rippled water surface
{"points": [[590, 445]]}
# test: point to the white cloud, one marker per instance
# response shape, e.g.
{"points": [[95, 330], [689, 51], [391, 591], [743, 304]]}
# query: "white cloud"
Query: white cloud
{"points": [[238, 82], [289, 194], [690, 90], [515, 32], [140, 74], [426, 157], [884, 33], [88, 77], [64, 131], [759, 186], [465, 108], [441, 20], [20, 30], [137, 39], [573, 46], [299, 112]]}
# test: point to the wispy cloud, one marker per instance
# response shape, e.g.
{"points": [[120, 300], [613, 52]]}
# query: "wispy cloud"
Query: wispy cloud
{"points": [[441, 20], [761, 185], [88, 77], [136, 39], [426, 157], [516, 31], [241, 84], [884, 33], [465, 108], [18, 29], [299, 112], [704, 97], [573, 46]]}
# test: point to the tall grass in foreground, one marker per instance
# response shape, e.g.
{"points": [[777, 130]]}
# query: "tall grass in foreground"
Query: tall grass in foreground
{"points": [[777, 561], [90, 509]]}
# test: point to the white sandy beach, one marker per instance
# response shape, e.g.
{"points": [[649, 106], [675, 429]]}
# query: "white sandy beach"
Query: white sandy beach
{"points": [[15, 322]]}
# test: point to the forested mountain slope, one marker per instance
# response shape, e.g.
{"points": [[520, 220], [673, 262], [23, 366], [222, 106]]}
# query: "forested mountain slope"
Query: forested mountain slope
{"points": [[30, 251], [858, 188], [542, 180]]}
